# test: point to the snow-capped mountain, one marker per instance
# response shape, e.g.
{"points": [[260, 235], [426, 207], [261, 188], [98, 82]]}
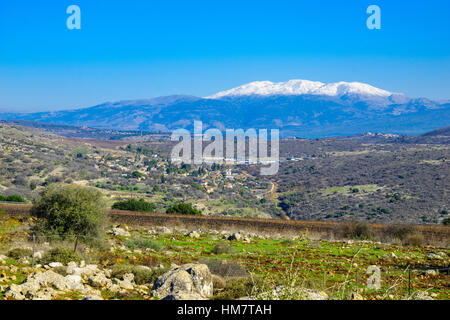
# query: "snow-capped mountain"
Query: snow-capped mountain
{"points": [[296, 107], [302, 87]]}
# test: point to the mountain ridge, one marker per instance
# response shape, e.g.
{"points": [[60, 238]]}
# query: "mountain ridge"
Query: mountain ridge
{"points": [[348, 112]]}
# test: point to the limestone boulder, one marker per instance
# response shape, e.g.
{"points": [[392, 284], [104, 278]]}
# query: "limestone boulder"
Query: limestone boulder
{"points": [[189, 280]]}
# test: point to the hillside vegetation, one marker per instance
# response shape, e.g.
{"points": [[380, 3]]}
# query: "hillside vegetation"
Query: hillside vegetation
{"points": [[382, 180]]}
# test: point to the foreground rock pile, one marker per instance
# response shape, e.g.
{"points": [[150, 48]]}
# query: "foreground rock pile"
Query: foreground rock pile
{"points": [[87, 280]]}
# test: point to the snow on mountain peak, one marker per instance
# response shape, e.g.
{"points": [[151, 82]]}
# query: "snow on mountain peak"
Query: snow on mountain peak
{"points": [[300, 87]]}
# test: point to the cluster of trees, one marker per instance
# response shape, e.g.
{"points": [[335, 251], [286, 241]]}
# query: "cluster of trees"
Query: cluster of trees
{"points": [[183, 208], [142, 206], [12, 198], [134, 205]]}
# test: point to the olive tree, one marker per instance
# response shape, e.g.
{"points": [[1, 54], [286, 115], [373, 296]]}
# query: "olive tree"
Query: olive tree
{"points": [[70, 211]]}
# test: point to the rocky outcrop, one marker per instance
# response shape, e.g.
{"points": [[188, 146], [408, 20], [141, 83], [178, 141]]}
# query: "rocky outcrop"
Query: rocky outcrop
{"points": [[88, 280], [46, 285], [187, 282]]}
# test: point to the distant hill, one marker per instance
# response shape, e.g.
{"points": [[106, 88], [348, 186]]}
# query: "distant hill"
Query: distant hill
{"points": [[443, 132], [85, 132]]}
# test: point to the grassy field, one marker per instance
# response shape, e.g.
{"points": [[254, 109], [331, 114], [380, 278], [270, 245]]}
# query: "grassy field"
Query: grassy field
{"points": [[337, 269]]}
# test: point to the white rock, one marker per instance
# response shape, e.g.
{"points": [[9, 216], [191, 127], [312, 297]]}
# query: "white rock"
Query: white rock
{"points": [[431, 273], [93, 297], [38, 255], [433, 256], [235, 236], [119, 232], [162, 230], [55, 264], [193, 234], [422, 295], [128, 277], [74, 282], [99, 280], [187, 280]]}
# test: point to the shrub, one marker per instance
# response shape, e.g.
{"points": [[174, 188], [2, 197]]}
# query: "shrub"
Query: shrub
{"points": [[143, 243], [398, 231], [67, 211], [63, 255], [18, 253], [414, 240], [446, 221], [218, 282], [183, 208], [12, 198], [148, 261], [134, 205], [225, 268], [222, 248], [235, 288], [356, 230], [141, 275], [287, 242], [15, 198], [136, 174]]}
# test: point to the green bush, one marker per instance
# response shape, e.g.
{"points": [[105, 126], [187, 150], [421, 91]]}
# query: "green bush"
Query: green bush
{"points": [[235, 288], [18, 253], [143, 243], [222, 248], [70, 212], [12, 198], [183, 208], [225, 268], [136, 174], [134, 205], [446, 221], [63, 255], [141, 275], [15, 198]]}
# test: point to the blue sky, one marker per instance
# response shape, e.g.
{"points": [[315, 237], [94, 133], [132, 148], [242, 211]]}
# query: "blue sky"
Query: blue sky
{"points": [[140, 49]]}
